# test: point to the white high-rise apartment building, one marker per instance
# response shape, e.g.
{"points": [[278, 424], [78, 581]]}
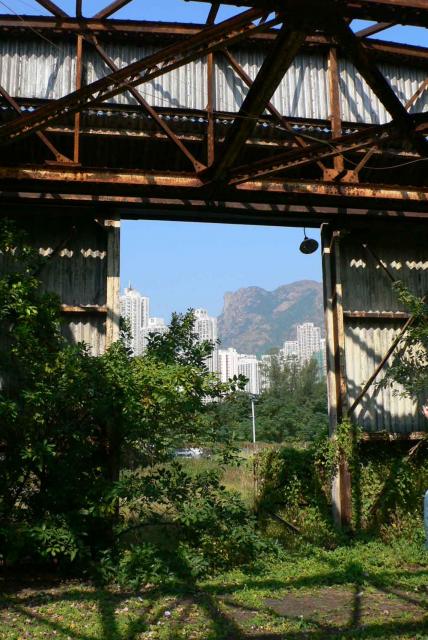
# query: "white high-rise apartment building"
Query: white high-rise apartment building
{"points": [[264, 368], [154, 325], [308, 341], [248, 365], [206, 329], [135, 308], [228, 363], [231, 363], [289, 352]]}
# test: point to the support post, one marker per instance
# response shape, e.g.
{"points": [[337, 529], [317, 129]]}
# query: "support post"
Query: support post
{"points": [[336, 120], [210, 110], [77, 115], [336, 380], [113, 280]]}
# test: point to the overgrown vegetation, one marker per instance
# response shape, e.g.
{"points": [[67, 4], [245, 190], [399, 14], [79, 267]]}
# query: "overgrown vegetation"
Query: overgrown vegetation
{"points": [[388, 484], [409, 366], [86, 445], [292, 408]]}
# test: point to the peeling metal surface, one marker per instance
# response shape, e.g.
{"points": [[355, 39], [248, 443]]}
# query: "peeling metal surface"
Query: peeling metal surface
{"points": [[36, 69]]}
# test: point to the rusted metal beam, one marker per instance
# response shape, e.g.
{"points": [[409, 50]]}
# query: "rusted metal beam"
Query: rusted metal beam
{"points": [[148, 68], [373, 29], [198, 166], [381, 364], [412, 12], [363, 162], [141, 30], [213, 12], [273, 69], [336, 120], [269, 107], [323, 149], [59, 157], [87, 309], [52, 8], [383, 198], [375, 79], [415, 97], [77, 116], [110, 9], [210, 110]]}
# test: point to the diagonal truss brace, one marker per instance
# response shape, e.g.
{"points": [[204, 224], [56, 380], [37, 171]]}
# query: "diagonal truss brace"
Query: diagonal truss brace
{"points": [[59, 157], [269, 107], [377, 82], [198, 166], [148, 68], [327, 149], [275, 65]]}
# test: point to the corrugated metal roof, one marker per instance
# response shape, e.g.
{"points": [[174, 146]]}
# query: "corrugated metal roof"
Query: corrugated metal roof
{"points": [[32, 68]]}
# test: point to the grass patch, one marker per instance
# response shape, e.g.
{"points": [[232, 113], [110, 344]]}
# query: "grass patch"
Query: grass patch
{"points": [[237, 478], [365, 591]]}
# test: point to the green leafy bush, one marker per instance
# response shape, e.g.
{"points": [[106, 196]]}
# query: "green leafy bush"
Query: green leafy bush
{"points": [[388, 484], [86, 444]]}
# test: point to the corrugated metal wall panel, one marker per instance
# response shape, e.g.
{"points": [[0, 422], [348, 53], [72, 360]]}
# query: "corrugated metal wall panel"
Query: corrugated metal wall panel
{"points": [[76, 271], [367, 288], [382, 409], [360, 104], [37, 69], [186, 87], [87, 329]]}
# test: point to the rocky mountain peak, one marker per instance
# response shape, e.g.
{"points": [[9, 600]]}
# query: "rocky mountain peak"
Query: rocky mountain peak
{"points": [[255, 320]]}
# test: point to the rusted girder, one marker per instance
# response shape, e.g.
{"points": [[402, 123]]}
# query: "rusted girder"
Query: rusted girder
{"points": [[269, 107], [373, 29], [411, 12], [198, 166], [59, 157], [326, 149], [374, 78], [110, 9], [132, 75], [177, 31], [213, 12], [273, 69], [52, 8], [168, 185]]}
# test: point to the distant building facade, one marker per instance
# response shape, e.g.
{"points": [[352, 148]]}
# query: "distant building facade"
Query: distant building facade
{"points": [[206, 329], [308, 341], [248, 366], [135, 309], [154, 325], [231, 363]]}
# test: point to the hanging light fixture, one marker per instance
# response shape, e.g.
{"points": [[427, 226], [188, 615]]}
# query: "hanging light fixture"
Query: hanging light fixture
{"points": [[308, 245]]}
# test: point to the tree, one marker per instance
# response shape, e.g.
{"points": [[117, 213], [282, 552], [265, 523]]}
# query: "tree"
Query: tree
{"points": [[86, 442], [294, 406]]}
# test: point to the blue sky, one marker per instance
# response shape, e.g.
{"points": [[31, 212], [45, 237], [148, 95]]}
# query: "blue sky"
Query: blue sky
{"points": [[181, 265]]}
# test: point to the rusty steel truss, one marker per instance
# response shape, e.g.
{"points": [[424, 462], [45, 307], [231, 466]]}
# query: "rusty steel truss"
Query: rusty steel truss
{"points": [[226, 173]]}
